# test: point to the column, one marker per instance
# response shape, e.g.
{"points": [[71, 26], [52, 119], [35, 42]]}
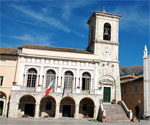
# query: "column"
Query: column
{"points": [[37, 110], [96, 108], [5, 107], [76, 116], [57, 114]]}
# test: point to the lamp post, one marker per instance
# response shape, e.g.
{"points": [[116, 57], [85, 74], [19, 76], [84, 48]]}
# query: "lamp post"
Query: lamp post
{"points": [[139, 101]]}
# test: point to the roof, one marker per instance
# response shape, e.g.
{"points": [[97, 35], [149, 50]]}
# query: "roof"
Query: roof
{"points": [[103, 14], [130, 78], [8, 51], [29, 46]]}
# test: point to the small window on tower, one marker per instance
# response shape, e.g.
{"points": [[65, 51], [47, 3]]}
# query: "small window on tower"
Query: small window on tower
{"points": [[107, 31], [92, 33]]}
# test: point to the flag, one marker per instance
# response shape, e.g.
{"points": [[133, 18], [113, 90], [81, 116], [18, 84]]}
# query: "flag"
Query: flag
{"points": [[63, 90], [49, 87]]}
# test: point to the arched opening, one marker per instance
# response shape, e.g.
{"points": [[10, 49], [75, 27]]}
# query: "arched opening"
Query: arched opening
{"points": [[1, 107], [50, 75], [27, 105], [32, 76], [2, 102], [67, 107], [68, 82], [86, 81], [107, 32], [47, 106], [86, 107]]}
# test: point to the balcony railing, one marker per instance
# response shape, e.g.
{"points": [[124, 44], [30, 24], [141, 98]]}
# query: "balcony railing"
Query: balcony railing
{"points": [[40, 89]]}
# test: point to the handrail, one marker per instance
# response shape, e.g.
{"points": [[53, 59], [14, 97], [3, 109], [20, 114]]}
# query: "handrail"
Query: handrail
{"points": [[128, 112]]}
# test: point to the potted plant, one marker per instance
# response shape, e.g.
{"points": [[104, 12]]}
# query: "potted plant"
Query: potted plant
{"points": [[103, 118], [78, 87], [25, 116], [134, 118], [46, 116], [114, 101]]}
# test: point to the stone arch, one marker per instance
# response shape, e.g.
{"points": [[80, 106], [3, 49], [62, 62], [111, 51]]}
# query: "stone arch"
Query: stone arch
{"points": [[3, 95], [48, 106], [3, 98], [27, 105], [67, 107], [86, 107]]}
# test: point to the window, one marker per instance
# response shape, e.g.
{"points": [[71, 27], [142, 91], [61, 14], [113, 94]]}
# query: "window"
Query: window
{"points": [[124, 90], [1, 80], [32, 75], [68, 80], [86, 80], [107, 31], [135, 88], [48, 106], [92, 34], [50, 74]]}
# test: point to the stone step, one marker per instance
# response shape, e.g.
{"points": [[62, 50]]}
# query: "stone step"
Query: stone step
{"points": [[115, 113]]}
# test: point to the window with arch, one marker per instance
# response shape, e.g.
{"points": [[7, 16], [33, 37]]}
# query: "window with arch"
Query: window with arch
{"points": [[86, 81], [32, 76], [50, 74], [107, 31], [68, 82]]}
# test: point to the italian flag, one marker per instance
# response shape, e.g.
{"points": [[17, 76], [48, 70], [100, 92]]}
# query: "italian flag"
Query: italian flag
{"points": [[49, 87]]}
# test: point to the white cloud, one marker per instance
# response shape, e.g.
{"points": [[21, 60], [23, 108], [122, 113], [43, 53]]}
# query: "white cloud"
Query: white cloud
{"points": [[48, 20], [68, 6], [34, 39], [79, 34], [131, 17]]}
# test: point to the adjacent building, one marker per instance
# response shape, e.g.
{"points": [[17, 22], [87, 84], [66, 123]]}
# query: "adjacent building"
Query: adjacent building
{"points": [[132, 93], [146, 61], [8, 75]]}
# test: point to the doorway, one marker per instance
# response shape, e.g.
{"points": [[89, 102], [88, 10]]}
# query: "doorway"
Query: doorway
{"points": [[66, 110], [29, 109], [1, 108], [106, 94]]}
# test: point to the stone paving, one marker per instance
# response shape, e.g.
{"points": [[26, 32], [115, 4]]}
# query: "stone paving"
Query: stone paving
{"points": [[63, 121]]}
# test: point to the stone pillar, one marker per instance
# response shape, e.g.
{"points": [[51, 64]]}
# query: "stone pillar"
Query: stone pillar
{"points": [[57, 114], [96, 108], [37, 110], [13, 110], [76, 115]]}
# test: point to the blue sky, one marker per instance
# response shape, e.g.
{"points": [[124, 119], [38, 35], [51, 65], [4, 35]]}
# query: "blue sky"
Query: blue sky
{"points": [[63, 23]]}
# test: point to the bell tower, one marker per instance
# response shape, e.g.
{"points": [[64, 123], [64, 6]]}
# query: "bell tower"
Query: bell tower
{"points": [[103, 42], [103, 33]]}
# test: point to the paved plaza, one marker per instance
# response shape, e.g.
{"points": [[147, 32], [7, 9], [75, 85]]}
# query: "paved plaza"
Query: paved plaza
{"points": [[64, 121]]}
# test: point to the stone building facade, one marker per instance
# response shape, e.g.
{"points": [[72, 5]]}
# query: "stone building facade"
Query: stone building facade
{"points": [[82, 78], [8, 74], [146, 63]]}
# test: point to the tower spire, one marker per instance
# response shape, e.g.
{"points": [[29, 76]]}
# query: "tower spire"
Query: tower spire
{"points": [[103, 10], [145, 51]]}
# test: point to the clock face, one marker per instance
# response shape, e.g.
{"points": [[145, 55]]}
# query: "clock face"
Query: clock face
{"points": [[106, 52]]}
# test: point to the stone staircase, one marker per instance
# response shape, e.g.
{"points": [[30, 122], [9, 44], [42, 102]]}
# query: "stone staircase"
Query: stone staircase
{"points": [[115, 113]]}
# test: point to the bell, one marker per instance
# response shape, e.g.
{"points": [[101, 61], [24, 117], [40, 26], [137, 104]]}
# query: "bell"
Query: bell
{"points": [[106, 32]]}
